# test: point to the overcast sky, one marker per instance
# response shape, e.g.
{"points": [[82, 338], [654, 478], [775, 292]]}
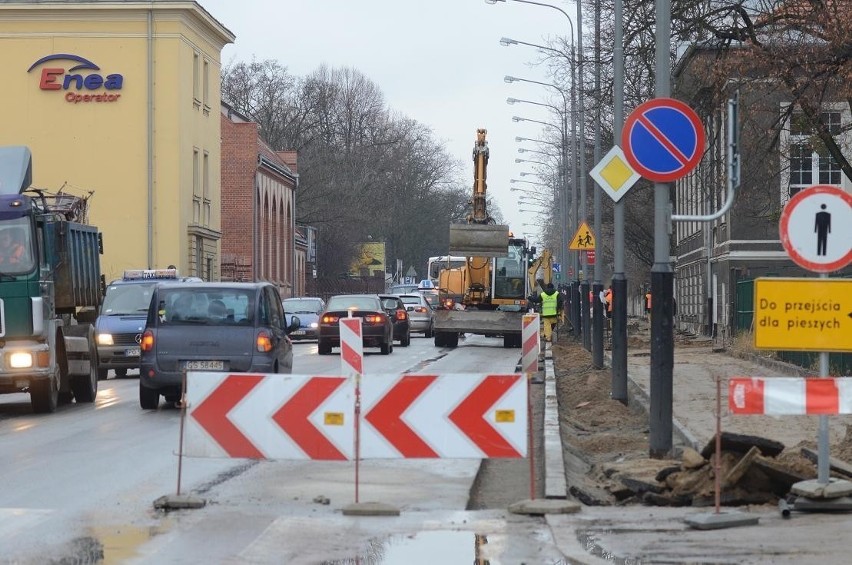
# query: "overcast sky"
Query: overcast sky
{"points": [[436, 61]]}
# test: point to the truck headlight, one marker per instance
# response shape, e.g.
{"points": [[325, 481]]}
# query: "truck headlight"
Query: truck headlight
{"points": [[20, 360], [104, 339]]}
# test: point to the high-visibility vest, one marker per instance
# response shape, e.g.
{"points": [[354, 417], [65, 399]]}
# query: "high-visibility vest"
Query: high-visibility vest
{"points": [[648, 301], [608, 296], [548, 304]]}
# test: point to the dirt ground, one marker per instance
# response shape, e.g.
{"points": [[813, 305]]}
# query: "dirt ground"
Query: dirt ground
{"points": [[610, 441]]}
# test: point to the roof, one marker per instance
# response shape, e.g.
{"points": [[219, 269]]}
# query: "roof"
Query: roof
{"points": [[227, 34]]}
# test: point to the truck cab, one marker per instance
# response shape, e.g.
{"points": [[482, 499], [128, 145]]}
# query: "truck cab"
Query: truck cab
{"points": [[121, 320]]}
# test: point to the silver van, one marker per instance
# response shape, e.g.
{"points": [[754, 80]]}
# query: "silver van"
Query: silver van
{"points": [[233, 327]]}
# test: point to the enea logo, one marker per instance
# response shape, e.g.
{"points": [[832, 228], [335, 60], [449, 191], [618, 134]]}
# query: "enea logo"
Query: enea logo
{"points": [[76, 84]]}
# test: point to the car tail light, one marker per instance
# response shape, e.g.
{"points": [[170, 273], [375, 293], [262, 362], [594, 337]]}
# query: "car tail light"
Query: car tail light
{"points": [[264, 342], [330, 319], [374, 319], [420, 309], [147, 342], [401, 315], [449, 303]]}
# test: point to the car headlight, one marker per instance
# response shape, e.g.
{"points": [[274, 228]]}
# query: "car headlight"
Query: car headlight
{"points": [[21, 360], [314, 325], [104, 339]]}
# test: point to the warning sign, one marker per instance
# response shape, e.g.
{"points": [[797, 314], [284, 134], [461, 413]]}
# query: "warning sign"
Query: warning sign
{"points": [[583, 240]]}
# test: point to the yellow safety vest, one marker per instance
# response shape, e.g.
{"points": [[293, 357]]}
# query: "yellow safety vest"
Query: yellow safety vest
{"points": [[548, 304]]}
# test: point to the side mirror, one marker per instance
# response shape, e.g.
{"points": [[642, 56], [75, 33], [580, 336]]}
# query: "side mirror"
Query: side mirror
{"points": [[295, 322]]}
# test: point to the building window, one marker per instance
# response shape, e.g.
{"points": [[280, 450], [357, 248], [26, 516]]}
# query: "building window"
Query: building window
{"points": [[205, 85], [196, 188], [809, 160], [206, 189], [196, 78]]}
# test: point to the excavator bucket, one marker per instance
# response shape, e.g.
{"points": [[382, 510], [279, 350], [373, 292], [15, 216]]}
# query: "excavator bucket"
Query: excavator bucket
{"points": [[479, 240]]}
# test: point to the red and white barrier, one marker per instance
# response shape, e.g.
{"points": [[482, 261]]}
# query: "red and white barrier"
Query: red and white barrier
{"points": [[531, 343], [351, 347], [313, 417], [790, 396]]}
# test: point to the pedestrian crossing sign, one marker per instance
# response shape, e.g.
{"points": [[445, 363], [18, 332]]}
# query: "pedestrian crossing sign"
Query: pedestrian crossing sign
{"points": [[583, 240]]}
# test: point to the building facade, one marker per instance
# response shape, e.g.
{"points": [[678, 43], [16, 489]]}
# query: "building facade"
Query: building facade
{"points": [[776, 158], [258, 199], [121, 100]]}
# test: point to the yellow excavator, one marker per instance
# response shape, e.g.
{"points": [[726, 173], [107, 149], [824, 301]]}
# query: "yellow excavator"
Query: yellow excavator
{"points": [[544, 263], [488, 295]]}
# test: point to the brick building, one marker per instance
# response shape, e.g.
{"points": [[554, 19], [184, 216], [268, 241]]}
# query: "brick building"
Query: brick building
{"points": [[258, 202]]}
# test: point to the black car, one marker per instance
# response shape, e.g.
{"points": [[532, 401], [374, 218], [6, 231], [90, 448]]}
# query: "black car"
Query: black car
{"points": [[398, 312], [376, 323], [233, 327]]}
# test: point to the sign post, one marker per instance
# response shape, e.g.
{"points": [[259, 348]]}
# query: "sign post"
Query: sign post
{"points": [[816, 232]]}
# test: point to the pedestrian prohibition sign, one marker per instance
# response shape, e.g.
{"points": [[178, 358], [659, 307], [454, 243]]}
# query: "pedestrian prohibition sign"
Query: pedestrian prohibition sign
{"points": [[816, 228], [663, 139]]}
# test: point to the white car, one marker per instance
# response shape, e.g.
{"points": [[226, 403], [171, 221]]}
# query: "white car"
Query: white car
{"points": [[420, 313]]}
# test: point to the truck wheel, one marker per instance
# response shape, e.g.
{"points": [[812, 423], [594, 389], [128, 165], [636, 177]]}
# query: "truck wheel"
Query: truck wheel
{"points": [[149, 398], [44, 396], [440, 339], [452, 340]]}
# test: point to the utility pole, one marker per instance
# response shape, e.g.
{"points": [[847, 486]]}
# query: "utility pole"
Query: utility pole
{"points": [[597, 286]]}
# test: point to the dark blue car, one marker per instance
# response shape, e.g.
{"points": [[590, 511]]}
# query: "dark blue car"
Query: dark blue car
{"points": [[308, 310]]}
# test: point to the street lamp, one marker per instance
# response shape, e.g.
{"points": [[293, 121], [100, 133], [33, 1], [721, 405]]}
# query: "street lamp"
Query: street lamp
{"points": [[576, 77], [520, 119], [519, 160]]}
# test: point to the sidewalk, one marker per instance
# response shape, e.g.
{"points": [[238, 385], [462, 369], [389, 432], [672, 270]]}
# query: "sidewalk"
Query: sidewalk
{"points": [[637, 533]]}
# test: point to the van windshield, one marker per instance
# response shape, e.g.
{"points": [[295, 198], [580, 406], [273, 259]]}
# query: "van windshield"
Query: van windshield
{"points": [[127, 299]]}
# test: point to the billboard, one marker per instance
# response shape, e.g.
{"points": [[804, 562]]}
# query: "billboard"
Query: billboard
{"points": [[370, 261]]}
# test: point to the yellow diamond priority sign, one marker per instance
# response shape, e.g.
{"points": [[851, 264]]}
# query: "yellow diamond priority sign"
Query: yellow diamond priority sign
{"points": [[614, 174]]}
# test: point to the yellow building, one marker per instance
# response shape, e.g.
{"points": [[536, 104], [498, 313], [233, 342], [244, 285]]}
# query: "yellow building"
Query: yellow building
{"points": [[121, 98]]}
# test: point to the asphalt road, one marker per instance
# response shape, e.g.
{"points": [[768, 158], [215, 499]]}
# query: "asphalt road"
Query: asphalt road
{"points": [[78, 486]]}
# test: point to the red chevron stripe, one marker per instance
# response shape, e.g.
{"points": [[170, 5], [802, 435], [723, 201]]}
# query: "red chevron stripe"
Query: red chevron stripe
{"points": [[293, 416], [212, 415], [386, 416], [469, 416]]}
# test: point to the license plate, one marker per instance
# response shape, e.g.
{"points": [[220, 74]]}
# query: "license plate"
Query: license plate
{"points": [[204, 365], [134, 352], [299, 332]]}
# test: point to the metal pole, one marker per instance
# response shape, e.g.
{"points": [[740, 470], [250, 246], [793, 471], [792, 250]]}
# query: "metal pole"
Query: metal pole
{"points": [[619, 279], [597, 286], [822, 444], [662, 276], [584, 280], [575, 202]]}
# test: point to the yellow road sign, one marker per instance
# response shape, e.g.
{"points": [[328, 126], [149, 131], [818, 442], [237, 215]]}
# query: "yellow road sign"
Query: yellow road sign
{"points": [[583, 240], [803, 314]]}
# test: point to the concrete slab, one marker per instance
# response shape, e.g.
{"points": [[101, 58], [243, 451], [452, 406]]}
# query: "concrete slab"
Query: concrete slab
{"points": [[542, 506], [803, 503], [370, 509], [835, 488], [555, 485], [718, 521], [179, 502]]}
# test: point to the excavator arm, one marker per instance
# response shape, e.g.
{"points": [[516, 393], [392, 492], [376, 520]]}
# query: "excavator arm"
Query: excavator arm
{"points": [[545, 262]]}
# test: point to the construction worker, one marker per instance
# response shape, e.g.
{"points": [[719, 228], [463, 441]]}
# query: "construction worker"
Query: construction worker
{"points": [[648, 304], [551, 304], [607, 295]]}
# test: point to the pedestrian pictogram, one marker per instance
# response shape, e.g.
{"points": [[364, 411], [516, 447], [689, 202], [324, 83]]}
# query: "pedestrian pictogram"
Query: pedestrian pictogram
{"points": [[614, 174], [663, 139], [583, 240], [816, 228]]}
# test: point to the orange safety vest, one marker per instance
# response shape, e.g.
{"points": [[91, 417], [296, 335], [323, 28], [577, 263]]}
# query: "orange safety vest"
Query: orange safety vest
{"points": [[648, 301], [608, 297]]}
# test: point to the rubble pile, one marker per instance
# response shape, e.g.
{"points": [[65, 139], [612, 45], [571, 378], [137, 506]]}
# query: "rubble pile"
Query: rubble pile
{"points": [[752, 470]]}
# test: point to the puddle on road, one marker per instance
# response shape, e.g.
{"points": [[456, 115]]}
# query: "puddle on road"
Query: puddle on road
{"points": [[422, 548], [114, 544]]}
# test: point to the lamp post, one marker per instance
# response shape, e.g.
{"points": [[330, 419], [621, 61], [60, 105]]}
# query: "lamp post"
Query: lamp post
{"points": [[576, 76]]}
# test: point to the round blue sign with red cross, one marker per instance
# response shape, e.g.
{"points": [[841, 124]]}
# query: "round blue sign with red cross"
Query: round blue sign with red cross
{"points": [[663, 139]]}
